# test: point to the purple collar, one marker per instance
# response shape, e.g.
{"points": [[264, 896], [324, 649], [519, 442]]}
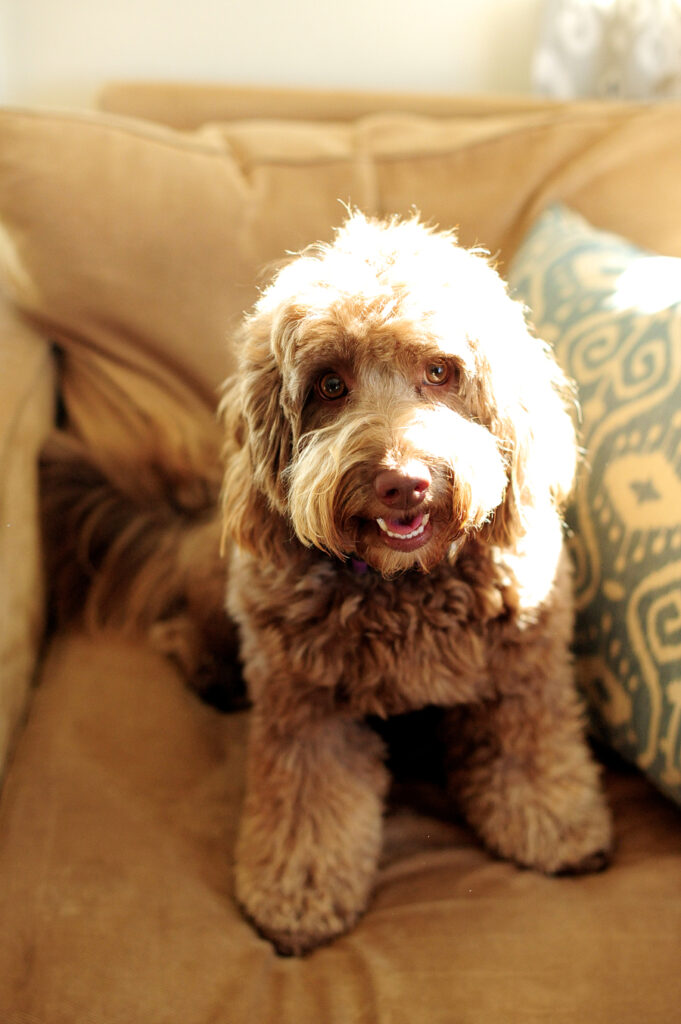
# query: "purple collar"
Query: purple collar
{"points": [[358, 566]]}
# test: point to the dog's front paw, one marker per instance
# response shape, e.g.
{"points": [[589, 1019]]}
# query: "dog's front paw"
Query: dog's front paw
{"points": [[311, 825], [298, 920], [556, 834]]}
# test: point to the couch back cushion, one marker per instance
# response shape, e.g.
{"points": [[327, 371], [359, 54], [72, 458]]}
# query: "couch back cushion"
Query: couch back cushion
{"points": [[190, 105], [137, 247]]}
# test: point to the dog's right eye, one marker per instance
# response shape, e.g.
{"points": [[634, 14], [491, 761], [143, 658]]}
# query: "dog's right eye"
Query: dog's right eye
{"points": [[331, 386]]}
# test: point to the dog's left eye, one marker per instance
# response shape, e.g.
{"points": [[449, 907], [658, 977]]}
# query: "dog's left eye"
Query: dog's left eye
{"points": [[437, 373], [331, 386]]}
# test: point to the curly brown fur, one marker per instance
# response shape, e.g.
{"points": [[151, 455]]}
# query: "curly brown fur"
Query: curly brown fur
{"points": [[398, 446], [122, 551]]}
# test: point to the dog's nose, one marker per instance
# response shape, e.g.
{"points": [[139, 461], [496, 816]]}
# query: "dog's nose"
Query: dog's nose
{"points": [[403, 488]]}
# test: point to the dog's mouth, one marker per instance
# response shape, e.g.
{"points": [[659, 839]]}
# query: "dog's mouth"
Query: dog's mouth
{"points": [[405, 534]]}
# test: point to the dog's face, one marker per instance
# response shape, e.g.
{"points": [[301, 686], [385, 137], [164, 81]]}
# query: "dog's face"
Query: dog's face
{"points": [[391, 402], [392, 462]]}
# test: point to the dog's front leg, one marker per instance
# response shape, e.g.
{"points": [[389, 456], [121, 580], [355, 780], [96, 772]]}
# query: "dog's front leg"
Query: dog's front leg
{"points": [[311, 827], [526, 779]]}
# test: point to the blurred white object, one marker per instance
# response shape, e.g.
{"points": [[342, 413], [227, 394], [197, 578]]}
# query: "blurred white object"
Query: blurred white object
{"points": [[616, 49]]}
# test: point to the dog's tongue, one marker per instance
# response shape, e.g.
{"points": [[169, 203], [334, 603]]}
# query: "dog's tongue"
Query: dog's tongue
{"points": [[396, 526]]}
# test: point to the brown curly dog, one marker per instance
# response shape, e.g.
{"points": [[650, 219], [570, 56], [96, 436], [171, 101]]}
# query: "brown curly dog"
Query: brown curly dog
{"points": [[398, 448]]}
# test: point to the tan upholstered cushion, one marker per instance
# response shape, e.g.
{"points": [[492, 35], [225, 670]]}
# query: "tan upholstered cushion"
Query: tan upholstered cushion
{"points": [[189, 105], [116, 847], [138, 247]]}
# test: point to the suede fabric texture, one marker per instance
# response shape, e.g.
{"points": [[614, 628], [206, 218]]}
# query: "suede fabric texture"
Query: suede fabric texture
{"points": [[137, 247], [26, 416], [189, 106], [116, 843]]}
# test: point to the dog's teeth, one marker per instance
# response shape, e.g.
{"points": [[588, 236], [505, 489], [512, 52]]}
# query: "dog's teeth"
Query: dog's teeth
{"points": [[405, 536]]}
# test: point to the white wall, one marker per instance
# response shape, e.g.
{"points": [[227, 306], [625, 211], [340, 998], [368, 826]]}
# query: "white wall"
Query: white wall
{"points": [[62, 51]]}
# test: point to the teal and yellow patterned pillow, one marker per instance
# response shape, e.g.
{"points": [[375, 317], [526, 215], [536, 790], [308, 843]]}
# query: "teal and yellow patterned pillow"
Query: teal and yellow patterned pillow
{"points": [[613, 314]]}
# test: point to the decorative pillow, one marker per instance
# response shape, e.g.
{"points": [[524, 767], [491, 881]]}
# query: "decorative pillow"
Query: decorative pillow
{"points": [[613, 313]]}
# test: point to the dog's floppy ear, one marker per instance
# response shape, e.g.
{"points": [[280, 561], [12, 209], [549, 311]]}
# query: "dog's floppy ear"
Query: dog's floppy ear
{"points": [[258, 439], [533, 418]]}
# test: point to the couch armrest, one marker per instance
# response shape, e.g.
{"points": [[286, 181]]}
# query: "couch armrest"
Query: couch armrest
{"points": [[26, 417]]}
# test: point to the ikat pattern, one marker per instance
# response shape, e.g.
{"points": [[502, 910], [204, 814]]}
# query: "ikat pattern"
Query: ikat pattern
{"points": [[613, 314]]}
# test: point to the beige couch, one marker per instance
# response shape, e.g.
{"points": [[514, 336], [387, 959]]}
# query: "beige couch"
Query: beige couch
{"points": [[128, 250]]}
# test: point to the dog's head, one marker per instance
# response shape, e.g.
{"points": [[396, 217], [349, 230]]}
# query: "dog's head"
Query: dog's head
{"points": [[391, 401]]}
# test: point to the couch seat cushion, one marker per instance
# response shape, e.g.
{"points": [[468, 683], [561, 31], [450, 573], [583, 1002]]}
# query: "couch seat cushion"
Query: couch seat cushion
{"points": [[117, 826]]}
